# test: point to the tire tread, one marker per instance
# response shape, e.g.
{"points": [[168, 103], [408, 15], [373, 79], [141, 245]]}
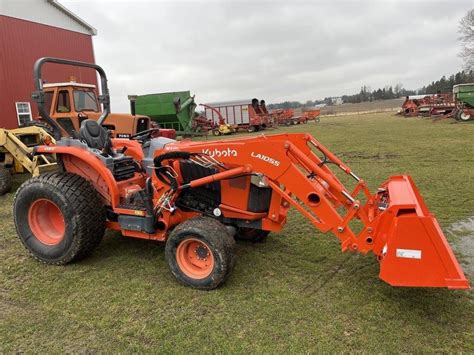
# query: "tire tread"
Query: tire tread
{"points": [[220, 237], [87, 206]]}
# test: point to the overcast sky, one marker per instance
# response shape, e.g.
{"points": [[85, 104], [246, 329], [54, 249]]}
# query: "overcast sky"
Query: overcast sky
{"points": [[277, 51]]}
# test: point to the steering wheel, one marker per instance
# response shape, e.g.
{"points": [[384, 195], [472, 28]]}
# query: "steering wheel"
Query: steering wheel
{"points": [[145, 135]]}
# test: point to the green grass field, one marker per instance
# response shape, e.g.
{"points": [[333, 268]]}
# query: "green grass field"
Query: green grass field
{"points": [[294, 293]]}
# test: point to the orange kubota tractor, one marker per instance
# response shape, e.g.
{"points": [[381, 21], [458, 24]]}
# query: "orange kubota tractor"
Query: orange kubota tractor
{"points": [[198, 196], [70, 103]]}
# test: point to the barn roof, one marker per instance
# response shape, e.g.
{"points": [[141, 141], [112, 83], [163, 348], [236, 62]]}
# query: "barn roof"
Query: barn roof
{"points": [[73, 16]]}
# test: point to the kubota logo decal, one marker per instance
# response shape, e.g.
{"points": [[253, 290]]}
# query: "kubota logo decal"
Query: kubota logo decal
{"points": [[218, 153], [265, 158]]}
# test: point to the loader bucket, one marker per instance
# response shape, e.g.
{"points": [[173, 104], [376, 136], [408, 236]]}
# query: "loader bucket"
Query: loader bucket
{"points": [[415, 251]]}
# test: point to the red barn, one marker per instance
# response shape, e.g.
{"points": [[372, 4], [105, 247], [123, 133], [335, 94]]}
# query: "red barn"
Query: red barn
{"points": [[30, 30]]}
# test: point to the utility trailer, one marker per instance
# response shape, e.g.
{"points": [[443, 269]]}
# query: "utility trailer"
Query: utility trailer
{"points": [[311, 113], [290, 116], [249, 115]]}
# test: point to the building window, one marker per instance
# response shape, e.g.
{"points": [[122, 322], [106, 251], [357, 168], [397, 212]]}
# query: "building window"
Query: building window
{"points": [[23, 112]]}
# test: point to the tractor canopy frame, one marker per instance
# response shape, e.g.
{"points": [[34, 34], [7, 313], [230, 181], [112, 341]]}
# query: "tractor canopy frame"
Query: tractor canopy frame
{"points": [[39, 97]]}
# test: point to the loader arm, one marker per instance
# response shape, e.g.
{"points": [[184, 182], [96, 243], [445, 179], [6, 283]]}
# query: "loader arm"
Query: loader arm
{"points": [[396, 224], [11, 143]]}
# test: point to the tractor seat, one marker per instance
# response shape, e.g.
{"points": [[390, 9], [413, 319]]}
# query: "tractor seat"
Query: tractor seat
{"points": [[96, 137], [93, 135]]}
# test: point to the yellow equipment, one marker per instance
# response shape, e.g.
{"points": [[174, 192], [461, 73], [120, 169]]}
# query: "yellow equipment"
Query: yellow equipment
{"points": [[17, 156], [223, 129]]}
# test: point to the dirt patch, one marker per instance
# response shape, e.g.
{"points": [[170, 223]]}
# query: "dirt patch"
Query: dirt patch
{"points": [[464, 231]]}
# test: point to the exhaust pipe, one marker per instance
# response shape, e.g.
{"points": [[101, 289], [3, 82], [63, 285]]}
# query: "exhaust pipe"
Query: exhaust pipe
{"points": [[133, 100]]}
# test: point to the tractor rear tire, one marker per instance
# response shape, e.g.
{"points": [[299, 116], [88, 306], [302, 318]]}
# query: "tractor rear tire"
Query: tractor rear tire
{"points": [[253, 235], [200, 253], [59, 217], [5, 181]]}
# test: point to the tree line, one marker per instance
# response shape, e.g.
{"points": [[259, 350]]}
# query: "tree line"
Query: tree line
{"points": [[443, 85]]}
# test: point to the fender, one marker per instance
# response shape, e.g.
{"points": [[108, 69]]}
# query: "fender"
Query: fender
{"points": [[81, 162], [134, 149]]}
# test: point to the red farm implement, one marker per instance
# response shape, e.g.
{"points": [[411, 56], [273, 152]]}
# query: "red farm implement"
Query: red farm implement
{"points": [[311, 114], [247, 115], [201, 124], [428, 105], [289, 117], [283, 116]]}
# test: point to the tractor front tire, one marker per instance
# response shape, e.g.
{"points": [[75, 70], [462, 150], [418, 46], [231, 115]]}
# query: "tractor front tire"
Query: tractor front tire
{"points": [[251, 235], [464, 117], [59, 217], [5, 180], [200, 253]]}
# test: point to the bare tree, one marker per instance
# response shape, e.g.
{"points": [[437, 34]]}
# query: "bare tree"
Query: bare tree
{"points": [[398, 89], [466, 30]]}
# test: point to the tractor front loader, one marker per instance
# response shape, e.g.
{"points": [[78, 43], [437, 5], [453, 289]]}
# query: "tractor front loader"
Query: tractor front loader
{"points": [[16, 148], [198, 196]]}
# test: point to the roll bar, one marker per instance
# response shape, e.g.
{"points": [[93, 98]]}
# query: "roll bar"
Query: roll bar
{"points": [[38, 95]]}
